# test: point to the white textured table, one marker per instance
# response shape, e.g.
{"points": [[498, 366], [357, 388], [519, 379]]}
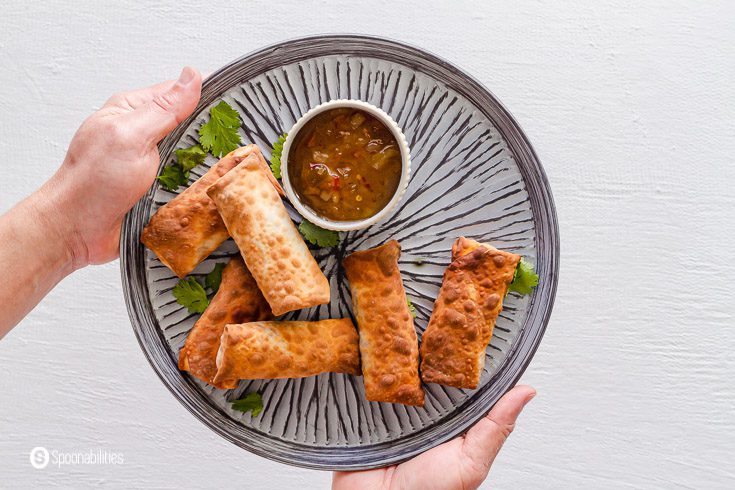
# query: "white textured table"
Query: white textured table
{"points": [[630, 108]]}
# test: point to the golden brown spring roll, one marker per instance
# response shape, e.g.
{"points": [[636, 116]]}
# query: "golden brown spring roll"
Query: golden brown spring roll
{"points": [[461, 326], [238, 300], [388, 343], [272, 247], [184, 231], [270, 350]]}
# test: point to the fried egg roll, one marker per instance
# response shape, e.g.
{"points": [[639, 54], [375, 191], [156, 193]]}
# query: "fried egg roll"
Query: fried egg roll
{"points": [[184, 231], [388, 343], [469, 302], [270, 350], [272, 247], [238, 300]]}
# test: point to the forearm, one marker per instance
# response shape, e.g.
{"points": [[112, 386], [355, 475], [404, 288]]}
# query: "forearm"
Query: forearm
{"points": [[37, 252]]}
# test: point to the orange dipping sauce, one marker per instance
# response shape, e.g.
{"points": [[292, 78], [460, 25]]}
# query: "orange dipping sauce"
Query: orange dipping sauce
{"points": [[345, 165]]}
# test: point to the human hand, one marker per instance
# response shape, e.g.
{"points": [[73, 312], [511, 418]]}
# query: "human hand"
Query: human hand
{"points": [[111, 163], [462, 463]]}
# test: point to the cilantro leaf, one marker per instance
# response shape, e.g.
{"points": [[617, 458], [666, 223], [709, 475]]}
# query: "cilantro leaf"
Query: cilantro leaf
{"points": [[172, 177], [214, 278], [318, 236], [411, 307], [177, 174], [188, 158], [276, 155], [251, 401], [219, 135], [190, 294], [524, 278]]}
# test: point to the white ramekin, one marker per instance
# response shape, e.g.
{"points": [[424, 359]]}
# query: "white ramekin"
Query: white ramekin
{"points": [[402, 184]]}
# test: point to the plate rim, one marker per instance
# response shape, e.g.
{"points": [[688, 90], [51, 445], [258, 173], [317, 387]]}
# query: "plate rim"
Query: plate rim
{"points": [[379, 454]]}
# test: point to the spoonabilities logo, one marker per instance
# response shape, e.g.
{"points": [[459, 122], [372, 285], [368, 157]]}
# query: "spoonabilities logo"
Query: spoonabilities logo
{"points": [[39, 457]]}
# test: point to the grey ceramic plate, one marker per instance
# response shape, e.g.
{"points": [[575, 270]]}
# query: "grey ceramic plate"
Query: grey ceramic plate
{"points": [[475, 174]]}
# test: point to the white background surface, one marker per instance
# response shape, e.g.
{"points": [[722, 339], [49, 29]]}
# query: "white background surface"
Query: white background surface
{"points": [[630, 108]]}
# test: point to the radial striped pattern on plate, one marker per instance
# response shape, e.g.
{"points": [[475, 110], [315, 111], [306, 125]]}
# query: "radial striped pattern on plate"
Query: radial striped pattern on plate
{"points": [[466, 181]]}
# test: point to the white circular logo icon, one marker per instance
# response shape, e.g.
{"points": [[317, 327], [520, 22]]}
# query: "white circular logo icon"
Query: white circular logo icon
{"points": [[39, 457]]}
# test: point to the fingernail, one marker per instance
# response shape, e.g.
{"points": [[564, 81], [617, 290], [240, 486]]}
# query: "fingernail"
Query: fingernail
{"points": [[529, 398], [187, 75]]}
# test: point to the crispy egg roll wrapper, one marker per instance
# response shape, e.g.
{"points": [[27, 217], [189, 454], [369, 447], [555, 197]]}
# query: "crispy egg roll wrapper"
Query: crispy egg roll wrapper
{"points": [[469, 302], [238, 300], [272, 247], [184, 231], [271, 350], [388, 343]]}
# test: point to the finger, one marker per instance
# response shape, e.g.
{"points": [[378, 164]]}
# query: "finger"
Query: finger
{"points": [[167, 108], [484, 440], [133, 99]]}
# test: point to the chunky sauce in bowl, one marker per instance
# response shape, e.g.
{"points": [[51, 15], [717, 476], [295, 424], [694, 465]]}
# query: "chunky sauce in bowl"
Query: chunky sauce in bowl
{"points": [[345, 164]]}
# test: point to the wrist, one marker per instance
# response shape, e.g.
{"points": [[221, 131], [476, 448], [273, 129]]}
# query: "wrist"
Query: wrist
{"points": [[54, 217]]}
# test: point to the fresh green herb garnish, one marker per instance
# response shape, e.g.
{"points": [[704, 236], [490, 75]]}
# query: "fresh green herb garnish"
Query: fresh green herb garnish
{"points": [[172, 177], [219, 135], [318, 236], [190, 294], [524, 279], [214, 278], [411, 307], [276, 155], [177, 174], [188, 158], [251, 401]]}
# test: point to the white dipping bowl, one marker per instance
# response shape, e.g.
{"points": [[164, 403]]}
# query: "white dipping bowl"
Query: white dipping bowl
{"points": [[381, 116]]}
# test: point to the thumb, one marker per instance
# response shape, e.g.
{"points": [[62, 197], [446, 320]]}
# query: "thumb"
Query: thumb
{"points": [[483, 441], [168, 107]]}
